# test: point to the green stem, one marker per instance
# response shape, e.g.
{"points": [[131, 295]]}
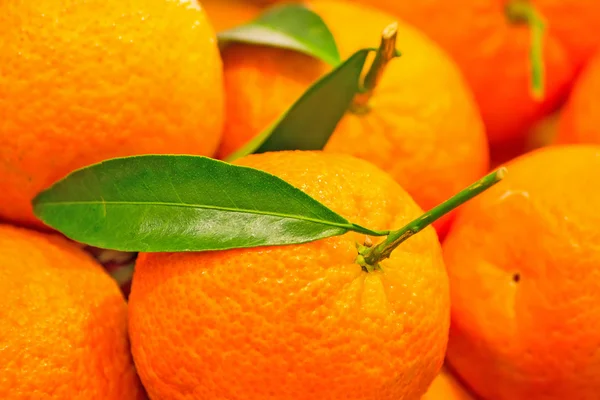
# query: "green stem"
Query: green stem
{"points": [[369, 257], [385, 53], [523, 12]]}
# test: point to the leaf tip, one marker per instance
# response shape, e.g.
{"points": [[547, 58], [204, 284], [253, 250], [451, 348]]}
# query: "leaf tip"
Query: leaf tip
{"points": [[37, 203]]}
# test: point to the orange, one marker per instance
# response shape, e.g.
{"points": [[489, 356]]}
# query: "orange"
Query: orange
{"points": [[297, 321], [524, 266], [83, 81], [446, 387], [423, 126], [63, 323], [580, 117], [493, 52], [226, 14]]}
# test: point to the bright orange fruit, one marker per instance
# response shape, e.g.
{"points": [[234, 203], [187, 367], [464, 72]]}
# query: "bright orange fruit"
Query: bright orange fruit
{"points": [[493, 52], [63, 323], [298, 321], [422, 125], [446, 387], [524, 266], [83, 81], [580, 118]]}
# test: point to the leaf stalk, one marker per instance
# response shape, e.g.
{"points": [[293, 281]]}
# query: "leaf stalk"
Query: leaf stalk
{"points": [[370, 257]]}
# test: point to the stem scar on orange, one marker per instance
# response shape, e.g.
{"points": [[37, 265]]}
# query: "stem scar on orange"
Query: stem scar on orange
{"points": [[298, 321], [420, 123], [84, 81]]}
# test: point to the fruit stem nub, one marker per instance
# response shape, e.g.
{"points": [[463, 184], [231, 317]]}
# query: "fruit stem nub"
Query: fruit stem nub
{"points": [[369, 257], [385, 53], [524, 12]]}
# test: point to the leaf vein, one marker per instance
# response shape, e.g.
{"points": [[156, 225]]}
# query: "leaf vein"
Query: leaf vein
{"points": [[345, 225]]}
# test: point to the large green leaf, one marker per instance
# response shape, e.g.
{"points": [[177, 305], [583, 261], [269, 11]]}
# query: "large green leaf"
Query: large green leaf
{"points": [[183, 203], [288, 26], [310, 121]]}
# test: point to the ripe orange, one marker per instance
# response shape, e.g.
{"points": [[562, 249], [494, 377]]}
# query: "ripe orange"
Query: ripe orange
{"points": [[298, 321], [225, 14], [63, 323], [84, 81], [446, 387], [422, 127], [493, 52], [579, 120], [524, 266]]}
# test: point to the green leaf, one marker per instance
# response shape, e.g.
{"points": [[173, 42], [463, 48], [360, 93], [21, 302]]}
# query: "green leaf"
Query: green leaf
{"points": [[288, 26], [310, 121], [183, 203]]}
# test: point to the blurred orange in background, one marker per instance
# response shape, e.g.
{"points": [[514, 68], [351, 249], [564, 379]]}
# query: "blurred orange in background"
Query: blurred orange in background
{"points": [[421, 124]]}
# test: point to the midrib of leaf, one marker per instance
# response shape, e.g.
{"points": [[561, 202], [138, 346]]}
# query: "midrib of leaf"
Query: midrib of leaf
{"points": [[348, 226]]}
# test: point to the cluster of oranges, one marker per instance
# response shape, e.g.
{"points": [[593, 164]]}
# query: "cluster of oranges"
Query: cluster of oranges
{"points": [[497, 301]]}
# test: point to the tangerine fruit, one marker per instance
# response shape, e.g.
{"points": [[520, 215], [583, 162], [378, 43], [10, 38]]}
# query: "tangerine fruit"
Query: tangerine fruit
{"points": [[524, 265], [63, 323], [298, 321], [84, 81]]}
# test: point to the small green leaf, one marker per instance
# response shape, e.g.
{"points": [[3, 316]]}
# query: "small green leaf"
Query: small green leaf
{"points": [[310, 121], [183, 203], [288, 26]]}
